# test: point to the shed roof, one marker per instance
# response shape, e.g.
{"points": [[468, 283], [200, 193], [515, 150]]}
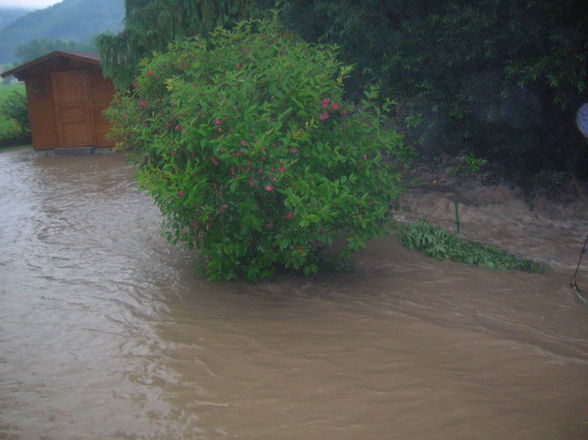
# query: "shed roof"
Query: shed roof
{"points": [[89, 58]]}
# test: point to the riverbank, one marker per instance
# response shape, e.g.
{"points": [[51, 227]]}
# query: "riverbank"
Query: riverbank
{"points": [[547, 227]]}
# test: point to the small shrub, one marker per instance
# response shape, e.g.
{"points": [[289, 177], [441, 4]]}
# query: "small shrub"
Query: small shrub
{"points": [[251, 154], [468, 165], [435, 242]]}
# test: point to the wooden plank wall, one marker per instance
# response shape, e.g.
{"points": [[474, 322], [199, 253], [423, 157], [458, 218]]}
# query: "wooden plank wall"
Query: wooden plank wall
{"points": [[41, 112], [44, 126], [73, 116], [101, 91]]}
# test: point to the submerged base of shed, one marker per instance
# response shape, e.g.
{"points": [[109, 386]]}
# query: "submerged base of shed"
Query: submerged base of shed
{"points": [[75, 151]]}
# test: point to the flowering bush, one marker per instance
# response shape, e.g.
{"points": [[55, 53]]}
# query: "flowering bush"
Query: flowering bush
{"points": [[251, 154]]}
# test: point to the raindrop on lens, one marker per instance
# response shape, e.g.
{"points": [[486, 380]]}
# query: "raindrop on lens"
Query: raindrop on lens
{"points": [[582, 119]]}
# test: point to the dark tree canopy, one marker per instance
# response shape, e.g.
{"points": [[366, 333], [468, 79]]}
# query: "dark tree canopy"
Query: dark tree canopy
{"points": [[499, 78]]}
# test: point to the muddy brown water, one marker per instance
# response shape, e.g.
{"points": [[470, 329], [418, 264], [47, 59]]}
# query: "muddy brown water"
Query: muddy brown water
{"points": [[106, 332]]}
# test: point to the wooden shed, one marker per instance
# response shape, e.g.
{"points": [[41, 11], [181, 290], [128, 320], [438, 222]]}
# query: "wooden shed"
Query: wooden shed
{"points": [[67, 94]]}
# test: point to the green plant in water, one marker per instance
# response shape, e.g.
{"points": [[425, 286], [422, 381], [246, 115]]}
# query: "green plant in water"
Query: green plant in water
{"points": [[436, 242], [251, 154]]}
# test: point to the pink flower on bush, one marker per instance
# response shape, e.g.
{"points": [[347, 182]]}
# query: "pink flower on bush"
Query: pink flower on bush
{"points": [[281, 169], [293, 150], [243, 142], [143, 104], [150, 73], [180, 194], [323, 116], [335, 106], [135, 84], [239, 65], [289, 215], [217, 122], [178, 127], [269, 188], [325, 102]]}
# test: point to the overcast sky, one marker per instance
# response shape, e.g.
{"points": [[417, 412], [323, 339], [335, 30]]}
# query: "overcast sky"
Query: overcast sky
{"points": [[29, 4]]}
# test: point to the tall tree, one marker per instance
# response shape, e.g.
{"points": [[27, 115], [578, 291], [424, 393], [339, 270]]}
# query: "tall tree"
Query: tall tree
{"points": [[151, 24]]}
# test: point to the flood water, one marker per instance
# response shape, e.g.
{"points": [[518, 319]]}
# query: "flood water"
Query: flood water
{"points": [[106, 331]]}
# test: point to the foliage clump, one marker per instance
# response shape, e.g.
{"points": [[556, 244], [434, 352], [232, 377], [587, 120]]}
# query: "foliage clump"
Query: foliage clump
{"points": [[251, 154], [14, 114], [436, 242]]}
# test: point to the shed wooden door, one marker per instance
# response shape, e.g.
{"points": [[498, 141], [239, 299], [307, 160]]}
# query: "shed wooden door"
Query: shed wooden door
{"points": [[73, 112]]}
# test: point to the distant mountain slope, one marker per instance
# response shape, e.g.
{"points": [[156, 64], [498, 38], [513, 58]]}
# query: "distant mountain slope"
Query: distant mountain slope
{"points": [[76, 20], [8, 15]]}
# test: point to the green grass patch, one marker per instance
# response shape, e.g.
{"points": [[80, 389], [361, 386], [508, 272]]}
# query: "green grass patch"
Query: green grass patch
{"points": [[7, 89], [436, 242]]}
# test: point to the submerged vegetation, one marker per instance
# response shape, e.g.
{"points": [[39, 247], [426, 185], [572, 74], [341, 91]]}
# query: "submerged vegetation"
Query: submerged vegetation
{"points": [[252, 154], [436, 242]]}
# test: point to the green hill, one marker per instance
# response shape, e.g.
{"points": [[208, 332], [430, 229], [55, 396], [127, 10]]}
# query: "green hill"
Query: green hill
{"points": [[8, 15], [76, 20]]}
